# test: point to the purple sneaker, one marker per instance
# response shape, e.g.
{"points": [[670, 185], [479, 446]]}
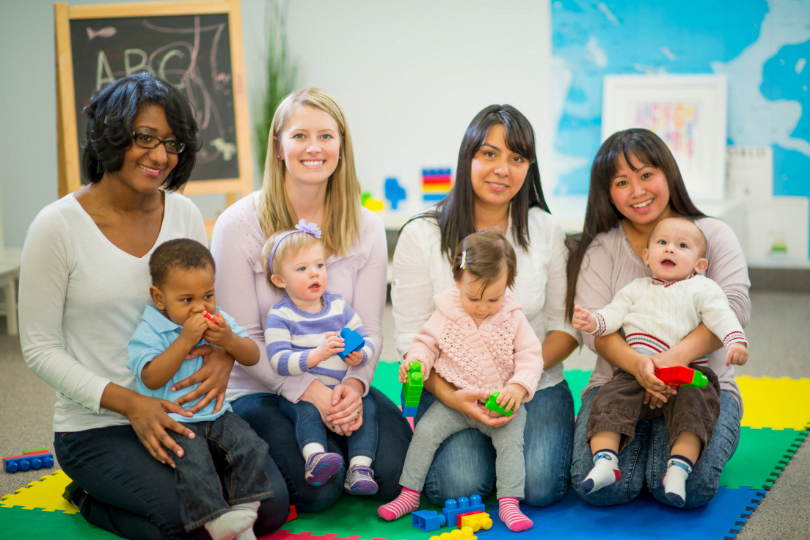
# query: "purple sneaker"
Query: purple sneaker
{"points": [[321, 466], [360, 481]]}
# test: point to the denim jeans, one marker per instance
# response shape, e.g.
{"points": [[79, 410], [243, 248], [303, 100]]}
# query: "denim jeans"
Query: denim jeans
{"points": [[309, 426], [262, 412], [645, 458], [465, 462], [221, 466], [131, 494]]}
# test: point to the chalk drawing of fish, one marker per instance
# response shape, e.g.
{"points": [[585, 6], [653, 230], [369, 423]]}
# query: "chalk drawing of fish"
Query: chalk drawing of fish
{"points": [[107, 31], [227, 149]]}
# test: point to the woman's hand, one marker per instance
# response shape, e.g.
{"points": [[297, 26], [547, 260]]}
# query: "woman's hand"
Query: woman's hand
{"points": [[469, 403], [150, 422], [213, 376], [346, 411], [645, 366]]}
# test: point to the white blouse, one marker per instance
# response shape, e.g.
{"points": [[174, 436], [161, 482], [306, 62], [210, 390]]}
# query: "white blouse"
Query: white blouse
{"points": [[421, 271]]}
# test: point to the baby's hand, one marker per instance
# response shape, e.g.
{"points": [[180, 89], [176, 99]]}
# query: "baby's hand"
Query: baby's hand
{"points": [[511, 397], [193, 329], [354, 358], [217, 330], [737, 354], [332, 344], [403, 370], [583, 320]]}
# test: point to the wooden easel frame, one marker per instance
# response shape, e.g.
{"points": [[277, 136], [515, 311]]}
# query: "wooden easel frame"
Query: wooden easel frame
{"points": [[68, 144]]}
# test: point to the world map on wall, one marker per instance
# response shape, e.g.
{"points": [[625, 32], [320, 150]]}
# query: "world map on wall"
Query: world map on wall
{"points": [[762, 47]]}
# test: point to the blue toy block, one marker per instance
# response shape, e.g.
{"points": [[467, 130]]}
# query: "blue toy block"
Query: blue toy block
{"points": [[351, 342], [452, 507], [407, 411], [428, 520], [28, 462], [394, 192]]}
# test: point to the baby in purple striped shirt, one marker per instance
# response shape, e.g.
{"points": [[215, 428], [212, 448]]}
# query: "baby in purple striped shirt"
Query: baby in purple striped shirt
{"points": [[302, 335]]}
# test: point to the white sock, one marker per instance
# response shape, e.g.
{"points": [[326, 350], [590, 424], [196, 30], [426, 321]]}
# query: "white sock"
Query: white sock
{"points": [[229, 524], [604, 473], [312, 448], [678, 469], [360, 460]]}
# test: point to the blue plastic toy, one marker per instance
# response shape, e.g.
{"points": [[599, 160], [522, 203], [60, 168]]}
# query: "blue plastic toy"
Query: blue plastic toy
{"points": [[32, 459], [394, 192], [352, 341], [452, 507], [428, 520]]}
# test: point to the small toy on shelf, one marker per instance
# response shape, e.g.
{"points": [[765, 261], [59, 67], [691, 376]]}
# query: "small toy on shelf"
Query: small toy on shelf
{"points": [[492, 404], [352, 341], [428, 520], [371, 203], [31, 459], [681, 376], [452, 507], [394, 192], [412, 390]]}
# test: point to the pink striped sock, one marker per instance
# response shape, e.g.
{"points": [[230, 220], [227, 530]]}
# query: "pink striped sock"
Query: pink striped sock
{"points": [[512, 517], [407, 502]]}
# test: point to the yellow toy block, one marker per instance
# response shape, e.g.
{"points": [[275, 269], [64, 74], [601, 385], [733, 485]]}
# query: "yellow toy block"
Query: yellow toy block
{"points": [[465, 533], [44, 495], [775, 403], [476, 522]]}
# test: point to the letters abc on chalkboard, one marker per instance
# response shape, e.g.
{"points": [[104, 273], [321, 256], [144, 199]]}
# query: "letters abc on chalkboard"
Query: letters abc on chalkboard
{"points": [[190, 51]]}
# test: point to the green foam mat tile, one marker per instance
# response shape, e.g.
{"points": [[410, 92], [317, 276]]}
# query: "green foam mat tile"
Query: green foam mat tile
{"points": [[760, 457], [21, 524], [577, 380], [386, 380]]}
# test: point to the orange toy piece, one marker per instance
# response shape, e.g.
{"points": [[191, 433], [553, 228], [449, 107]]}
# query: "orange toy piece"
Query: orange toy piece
{"points": [[476, 522]]}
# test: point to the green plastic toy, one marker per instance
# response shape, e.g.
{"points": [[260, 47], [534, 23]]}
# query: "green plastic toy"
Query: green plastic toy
{"points": [[412, 390], [492, 404]]}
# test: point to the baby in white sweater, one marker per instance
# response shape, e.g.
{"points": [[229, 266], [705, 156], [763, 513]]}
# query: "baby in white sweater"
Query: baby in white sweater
{"points": [[656, 313]]}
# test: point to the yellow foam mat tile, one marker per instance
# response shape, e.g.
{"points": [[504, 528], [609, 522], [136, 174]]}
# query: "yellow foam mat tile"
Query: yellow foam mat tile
{"points": [[775, 403], [46, 494]]}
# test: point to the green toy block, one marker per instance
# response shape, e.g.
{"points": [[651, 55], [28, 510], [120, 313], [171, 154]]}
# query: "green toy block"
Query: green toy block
{"points": [[412, 389], [492, 404]]}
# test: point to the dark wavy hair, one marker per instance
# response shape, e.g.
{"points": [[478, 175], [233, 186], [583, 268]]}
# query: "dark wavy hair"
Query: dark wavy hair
{"points": [[111, 113], [456, 212], [600, 214]]}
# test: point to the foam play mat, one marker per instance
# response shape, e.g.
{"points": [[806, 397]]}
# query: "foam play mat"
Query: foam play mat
{"points": [[775, 424]]}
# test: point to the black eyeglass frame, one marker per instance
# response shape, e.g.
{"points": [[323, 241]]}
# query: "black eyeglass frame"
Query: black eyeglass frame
{"points": [[160, 141]]}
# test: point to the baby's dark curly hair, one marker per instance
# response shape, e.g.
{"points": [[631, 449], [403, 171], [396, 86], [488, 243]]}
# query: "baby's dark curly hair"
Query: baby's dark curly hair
{"points": [[111, 113], [182, 253]]}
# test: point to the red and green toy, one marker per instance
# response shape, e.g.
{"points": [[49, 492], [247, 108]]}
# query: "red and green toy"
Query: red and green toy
{"points": [[681, 376]]}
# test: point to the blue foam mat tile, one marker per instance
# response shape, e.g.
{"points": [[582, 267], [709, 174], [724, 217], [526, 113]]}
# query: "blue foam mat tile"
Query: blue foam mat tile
{"points": [[643, 518]]}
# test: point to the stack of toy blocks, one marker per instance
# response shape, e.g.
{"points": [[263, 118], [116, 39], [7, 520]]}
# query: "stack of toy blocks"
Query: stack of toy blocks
{"points": [[412, 390], [31, 459], [436, 184]]}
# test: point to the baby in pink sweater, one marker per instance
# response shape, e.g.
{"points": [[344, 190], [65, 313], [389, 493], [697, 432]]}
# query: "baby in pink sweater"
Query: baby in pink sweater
{"points": [[478, 338]]}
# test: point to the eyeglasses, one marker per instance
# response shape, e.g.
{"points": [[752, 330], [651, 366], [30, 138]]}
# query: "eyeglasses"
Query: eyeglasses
{"points": [[148, 141]]}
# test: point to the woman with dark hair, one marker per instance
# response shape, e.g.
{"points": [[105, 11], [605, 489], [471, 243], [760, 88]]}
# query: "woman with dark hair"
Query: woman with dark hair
{"points": [[497, 188], [84, 285], [635, 183]]}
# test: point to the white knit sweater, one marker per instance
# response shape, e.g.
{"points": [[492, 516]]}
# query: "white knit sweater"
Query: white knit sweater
{"points": [[656, 314]]}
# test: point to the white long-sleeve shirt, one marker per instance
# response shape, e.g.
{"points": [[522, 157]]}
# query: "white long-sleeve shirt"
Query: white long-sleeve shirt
{"points": [[81, 299], [422, 271], [656, 314]]}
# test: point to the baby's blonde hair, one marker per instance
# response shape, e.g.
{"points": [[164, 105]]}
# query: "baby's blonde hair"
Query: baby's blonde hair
{"points": [[290, 246]]}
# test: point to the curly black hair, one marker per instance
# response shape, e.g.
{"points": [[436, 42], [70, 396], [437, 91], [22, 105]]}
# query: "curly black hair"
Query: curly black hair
{"points": [[111, 113], [182, 253]]}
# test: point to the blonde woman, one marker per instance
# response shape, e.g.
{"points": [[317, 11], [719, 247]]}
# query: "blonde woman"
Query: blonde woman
{"points": [[309, 174]]}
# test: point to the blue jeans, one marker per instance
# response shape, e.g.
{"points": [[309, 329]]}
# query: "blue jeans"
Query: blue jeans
{"points": [[131, 494], [465, 462], [645, 458], [309, 426], [262, 412]]}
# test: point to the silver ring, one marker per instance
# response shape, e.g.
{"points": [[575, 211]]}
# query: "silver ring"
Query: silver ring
{"points": [[334, 426], [358, 413]]}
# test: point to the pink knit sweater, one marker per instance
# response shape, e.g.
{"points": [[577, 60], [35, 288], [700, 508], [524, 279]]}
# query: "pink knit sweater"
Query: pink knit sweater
{"points": [[503, 350]]}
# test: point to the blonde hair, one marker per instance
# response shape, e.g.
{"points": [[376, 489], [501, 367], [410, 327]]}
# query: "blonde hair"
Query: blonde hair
{"points": [[290, 246], [485, 255], [341, 221]]}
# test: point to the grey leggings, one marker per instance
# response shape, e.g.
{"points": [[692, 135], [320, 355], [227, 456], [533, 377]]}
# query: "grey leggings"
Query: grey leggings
{"points": [[440, 421]]}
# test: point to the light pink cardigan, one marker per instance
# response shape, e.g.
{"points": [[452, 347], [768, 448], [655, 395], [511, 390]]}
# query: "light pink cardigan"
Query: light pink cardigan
{"points": [[502, 350], [243, 292]]}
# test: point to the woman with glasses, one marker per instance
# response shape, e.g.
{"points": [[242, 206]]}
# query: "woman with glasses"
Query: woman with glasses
{"points": [[84, 284]]}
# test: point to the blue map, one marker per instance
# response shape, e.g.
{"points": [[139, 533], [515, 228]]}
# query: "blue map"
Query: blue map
{"points": [[761, 46]]}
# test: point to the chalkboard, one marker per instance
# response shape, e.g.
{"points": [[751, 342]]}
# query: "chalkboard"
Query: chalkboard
{"points": [[183, 42]]}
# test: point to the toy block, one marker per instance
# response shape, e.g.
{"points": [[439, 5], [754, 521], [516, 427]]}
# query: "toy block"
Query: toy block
{"points": [[452, 507], [209, 317], [681, 376], [371, 203], [35, 459], [35, 450], [476, 521], [394, 192], [428, 520], [412, 390], [352, 341], [492, 404], [408, 411], [459, 534], [293, 513]]}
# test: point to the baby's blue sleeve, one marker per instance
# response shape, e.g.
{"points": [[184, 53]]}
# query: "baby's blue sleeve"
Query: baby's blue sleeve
{"points": [[144, 346]]}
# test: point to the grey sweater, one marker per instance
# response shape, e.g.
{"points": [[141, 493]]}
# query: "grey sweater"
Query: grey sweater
{"points": [[610, 263]]}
